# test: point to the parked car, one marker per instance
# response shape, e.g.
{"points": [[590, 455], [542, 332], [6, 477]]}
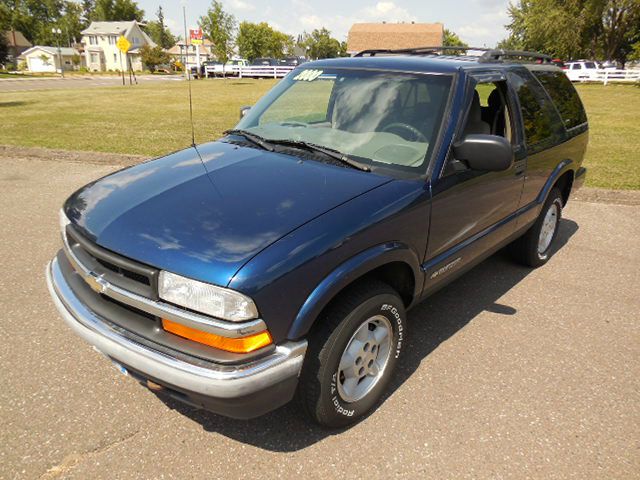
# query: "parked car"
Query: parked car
{"points": [[609, 65], [581, 70], [230, 69], [281, 259], [292, 61], [265, 62]]}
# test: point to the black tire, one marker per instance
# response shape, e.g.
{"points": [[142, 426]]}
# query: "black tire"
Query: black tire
{"points": [[525, 249], [318, 392]]}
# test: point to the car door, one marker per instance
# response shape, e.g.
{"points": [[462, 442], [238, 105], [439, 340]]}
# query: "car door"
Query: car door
{"points": [[473, 211]]}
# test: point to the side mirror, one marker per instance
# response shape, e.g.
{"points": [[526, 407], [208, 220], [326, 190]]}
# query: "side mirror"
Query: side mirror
{"points": [[485, 152], [244, 111]]}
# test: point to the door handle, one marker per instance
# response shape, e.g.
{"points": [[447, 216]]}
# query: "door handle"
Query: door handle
{"points": [[520, 168]]}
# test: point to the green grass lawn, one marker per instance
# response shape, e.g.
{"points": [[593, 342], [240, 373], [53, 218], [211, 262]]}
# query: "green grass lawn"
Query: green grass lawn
{"points": [[148, 119], [153, 119]]}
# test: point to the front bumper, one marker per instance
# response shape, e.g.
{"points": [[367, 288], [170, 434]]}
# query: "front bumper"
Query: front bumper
{"points": [[239, 391]]}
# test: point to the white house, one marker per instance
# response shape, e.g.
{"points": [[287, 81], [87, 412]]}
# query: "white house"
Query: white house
{"points": [[46, 59], [101, 52]]}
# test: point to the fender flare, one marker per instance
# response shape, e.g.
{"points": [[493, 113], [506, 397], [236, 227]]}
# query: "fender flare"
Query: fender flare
{"points": [[346, 273], [562, 168]]}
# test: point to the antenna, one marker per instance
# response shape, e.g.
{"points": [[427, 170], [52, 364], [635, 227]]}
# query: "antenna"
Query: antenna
{"points": [[188, 71]]}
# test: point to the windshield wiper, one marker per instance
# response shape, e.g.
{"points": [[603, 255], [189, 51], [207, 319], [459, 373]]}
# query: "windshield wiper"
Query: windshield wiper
{"points": [[329, 152], [253, 138]]}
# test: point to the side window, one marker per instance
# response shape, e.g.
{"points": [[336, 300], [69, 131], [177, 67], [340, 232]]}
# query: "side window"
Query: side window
{"points": [[576, 66], [489, 111], [539, 117], [564, 95], [489, 114]]}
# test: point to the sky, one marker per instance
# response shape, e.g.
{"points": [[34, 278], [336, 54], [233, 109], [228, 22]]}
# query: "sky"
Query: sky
{"points": [[478, 22]]}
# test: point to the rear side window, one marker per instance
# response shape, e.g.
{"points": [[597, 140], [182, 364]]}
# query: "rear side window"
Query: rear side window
{"points": [[540, 119], [561, 91], [590, 65]]}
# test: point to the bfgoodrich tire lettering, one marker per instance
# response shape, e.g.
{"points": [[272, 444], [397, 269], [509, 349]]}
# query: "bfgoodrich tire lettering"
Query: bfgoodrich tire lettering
{"points": [[319, 390]]}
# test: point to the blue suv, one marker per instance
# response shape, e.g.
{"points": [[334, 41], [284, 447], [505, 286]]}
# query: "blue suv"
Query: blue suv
{"points": [[280, 260]]}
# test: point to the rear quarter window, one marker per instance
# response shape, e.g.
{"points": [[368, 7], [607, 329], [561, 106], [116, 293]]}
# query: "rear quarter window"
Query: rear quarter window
{"points": [[540, 119], [565, 97]]}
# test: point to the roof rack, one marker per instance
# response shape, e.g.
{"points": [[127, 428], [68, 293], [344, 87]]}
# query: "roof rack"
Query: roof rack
{"points": [[490, 55]]}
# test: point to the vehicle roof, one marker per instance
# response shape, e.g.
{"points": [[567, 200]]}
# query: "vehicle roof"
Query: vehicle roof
{"points": [[441, 64]]}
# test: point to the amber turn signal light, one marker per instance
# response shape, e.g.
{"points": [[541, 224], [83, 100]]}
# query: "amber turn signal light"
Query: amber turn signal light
{"points": [[235, 345]]}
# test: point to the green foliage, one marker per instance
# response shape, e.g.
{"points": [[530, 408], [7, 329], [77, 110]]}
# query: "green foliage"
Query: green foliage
{"points": [[219, 27], [320, 44], [115, 10], [451, 39], [4, 48], [159, 32], [260, 40], [36, 18], [510, 43], [154, 56], [604, 29], [635, 52]]}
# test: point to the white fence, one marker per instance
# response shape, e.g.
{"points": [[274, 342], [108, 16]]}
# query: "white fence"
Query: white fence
{"points": [[253, 71], [259, 71], [609, 76]]}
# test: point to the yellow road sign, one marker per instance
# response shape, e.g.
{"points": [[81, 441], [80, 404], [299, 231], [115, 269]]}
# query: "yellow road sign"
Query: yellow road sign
{"points": [[123, 44]]}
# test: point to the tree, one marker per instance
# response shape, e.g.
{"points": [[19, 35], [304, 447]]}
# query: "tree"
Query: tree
{"points": [[71, 22], [4, 48], [159, 32], [115, 10], [510, 43], [605, 29], [154, 56], [260, 40], [36, 18], [320, 44], [451, 39], [219, 27]]}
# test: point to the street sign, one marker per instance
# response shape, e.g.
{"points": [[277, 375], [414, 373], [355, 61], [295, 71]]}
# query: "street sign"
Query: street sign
{"points": [[195, 34], [123, 44]]}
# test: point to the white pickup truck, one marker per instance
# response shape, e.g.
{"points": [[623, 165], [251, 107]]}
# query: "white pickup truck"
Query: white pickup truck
{"points": [[231, 68]]}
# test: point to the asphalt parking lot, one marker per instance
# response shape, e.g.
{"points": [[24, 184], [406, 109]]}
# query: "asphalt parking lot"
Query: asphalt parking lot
{"points": [[77, 81], [509, 373]]}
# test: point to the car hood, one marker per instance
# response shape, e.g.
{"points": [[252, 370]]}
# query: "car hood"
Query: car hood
{"points": [[204, 213]]}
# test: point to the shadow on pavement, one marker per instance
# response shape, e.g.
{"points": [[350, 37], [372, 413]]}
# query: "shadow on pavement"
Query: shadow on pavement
{"points": [[431, 323]]}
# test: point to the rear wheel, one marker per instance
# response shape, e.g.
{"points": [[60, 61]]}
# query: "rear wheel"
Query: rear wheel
{"points": [[534, 247], [352, 354]]}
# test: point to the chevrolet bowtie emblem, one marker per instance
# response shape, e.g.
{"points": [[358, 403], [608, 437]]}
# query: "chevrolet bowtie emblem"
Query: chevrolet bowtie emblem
{"points": [[96, 283]]}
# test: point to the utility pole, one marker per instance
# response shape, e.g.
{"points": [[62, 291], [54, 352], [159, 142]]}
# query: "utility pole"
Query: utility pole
{"points": [[56, 33]]}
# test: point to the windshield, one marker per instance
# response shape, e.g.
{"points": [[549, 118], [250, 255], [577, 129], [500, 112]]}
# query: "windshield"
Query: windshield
{"points": [[382, 119]]}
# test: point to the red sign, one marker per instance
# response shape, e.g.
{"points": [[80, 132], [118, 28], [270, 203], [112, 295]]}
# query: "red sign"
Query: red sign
{"points": [[196, 36]]}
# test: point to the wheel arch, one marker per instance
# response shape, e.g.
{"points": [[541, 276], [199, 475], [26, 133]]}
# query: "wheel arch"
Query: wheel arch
{"points": [[393, 263], [562, 176]]}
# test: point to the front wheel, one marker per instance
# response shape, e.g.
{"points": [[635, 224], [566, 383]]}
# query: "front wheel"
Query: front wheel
{"points": [[352, 354], [534, 247]]}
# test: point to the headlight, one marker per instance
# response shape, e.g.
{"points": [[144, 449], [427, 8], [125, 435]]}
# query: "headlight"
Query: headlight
{"points": [[202, 297]]}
